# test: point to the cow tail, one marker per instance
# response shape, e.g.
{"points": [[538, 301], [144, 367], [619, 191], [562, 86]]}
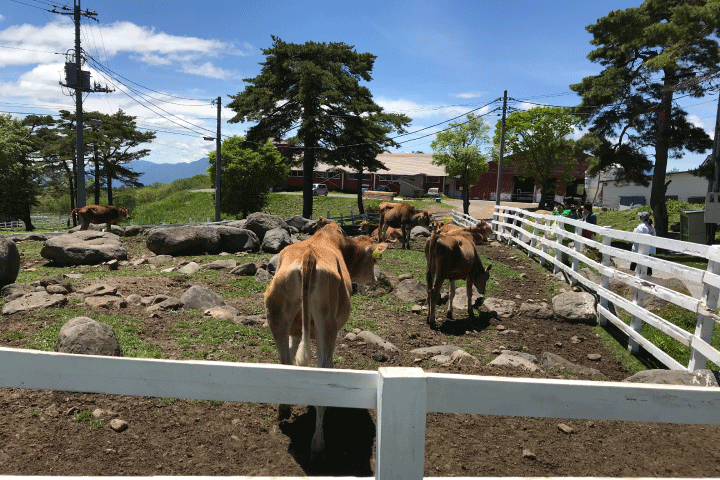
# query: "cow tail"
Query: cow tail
{"points": [[308, 275]]}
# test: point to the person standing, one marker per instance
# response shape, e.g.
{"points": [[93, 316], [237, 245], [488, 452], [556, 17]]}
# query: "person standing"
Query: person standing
{"points": [[645, 227], [588, 216]]}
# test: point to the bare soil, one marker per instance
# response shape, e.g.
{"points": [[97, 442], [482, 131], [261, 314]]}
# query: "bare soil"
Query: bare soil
{"points": [[41, 433]]}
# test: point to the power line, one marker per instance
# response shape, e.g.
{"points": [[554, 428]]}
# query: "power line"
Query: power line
{"points": [[30, 50]]}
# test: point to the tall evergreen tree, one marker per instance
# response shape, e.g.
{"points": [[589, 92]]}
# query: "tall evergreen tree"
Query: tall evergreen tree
{"points": [[18, 191], [308, 87], [649, 54]]}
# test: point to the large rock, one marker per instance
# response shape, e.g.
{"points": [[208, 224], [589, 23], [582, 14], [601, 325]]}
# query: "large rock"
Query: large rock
{"points": [[275, 240], [34, 301], [17, 290], [697, 378], [86, 247], [200, 297], [187, 240], [85, 336], [419, 231], [298, 222], [502, 308], [541, 310], [9, 261], [575, 307], [549, 360], [234, 239], [261, 223], [411, 290], [134, 230]]}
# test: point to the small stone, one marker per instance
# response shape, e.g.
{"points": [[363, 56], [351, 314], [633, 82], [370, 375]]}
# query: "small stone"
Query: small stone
{"points": [[528, 454], [235, 437], [113, 264], [558, 344], [500, 328], [118, 425], [379, 357], [519, 297], [413, 335], [97, 413], [565, 428], [594, 356], [417, 360], [590, 424], [416, 309], [575, 339], [350, 337], [72, 411], [496, 352]]}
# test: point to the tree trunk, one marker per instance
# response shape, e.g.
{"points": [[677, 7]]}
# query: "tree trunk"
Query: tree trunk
{"points": [[466, 197], [109, 189], [97, 175], [308, 166], [542, 205], [361, 207], [29, 227], [71, 176], [662, 146]]}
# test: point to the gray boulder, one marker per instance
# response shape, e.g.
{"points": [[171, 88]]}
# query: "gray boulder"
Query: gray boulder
{"points": [[411, 290], [435, 350], [134, 230], [237, 223], [200, 297], [275, 240], [17, 290], [187, 240], [85, 336], [298, 222], [36, 237], [86, 247], [272, 264], [234, 239], [502, 308], [540, 310], [100, 227], [244, 270], [34, 301], [575, 307], [9, 261], [261, 223], [228, 264], [189, 269], [550, 360], [419, 231], [697, 378], [262, 276]]}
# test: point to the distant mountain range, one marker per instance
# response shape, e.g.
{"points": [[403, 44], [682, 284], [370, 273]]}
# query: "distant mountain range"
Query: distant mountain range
{"points": [[167, 172]]}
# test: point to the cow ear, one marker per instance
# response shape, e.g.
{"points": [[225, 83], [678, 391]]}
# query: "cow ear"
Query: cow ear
{"points": [[487, 269]]}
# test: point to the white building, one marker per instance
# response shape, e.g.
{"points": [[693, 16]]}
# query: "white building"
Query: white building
{"points": [[607, 193]]}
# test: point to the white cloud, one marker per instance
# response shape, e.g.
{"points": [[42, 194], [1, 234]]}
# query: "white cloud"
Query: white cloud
{"points": [[417, 110], [470, 95], [207, 69]]}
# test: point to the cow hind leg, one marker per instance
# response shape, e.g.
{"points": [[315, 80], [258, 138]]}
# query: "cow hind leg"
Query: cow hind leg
{"points": [[451, 299], [471, 312]]}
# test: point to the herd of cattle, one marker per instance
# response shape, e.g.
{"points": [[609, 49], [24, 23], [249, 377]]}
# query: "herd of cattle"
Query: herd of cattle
{"points": [[310, 292]]}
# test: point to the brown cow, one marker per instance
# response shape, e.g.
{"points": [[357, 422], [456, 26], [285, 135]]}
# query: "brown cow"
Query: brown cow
{"points": [[403, 216], [481, 231], [372, 230], [453, 256], [310, 294], [100, 214]]}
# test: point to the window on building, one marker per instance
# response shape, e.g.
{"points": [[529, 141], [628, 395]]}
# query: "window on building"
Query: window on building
{"points": [[433, 179], [296, 173]]}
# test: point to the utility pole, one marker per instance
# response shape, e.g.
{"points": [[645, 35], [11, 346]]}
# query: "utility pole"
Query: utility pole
{"points": [[502, 149], [79, 80], [218, 162]]}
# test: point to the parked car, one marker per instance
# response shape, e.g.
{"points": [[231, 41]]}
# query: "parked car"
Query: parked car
{"points": [[383, 188], [365, 187], [320, 189], [433, 192]]}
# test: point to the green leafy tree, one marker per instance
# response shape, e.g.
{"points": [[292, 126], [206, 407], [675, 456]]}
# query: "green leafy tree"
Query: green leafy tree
{"points": [[18, 192], [309, 87], [537, 146], [364, 137], [458, 149], [247, 175], [649, 54]]}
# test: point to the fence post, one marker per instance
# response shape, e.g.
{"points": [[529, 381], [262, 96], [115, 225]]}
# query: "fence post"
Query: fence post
{"points": [[638, 299], [709, 298], [559, 241], [576, 261], [533, 240], [604, 278], [401, 410]]}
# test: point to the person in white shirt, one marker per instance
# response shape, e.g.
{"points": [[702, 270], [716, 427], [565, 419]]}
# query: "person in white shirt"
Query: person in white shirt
{"points": [[646, 227]]}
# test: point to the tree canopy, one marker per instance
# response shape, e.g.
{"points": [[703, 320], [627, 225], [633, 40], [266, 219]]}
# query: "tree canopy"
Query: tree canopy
{"points": [[649, 54], [247, 174], [537, 145], [459, 150], [18, 191], [313, 88]]}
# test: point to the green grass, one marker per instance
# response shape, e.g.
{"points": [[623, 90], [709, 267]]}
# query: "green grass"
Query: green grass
{"points": [[127, 329], [210, 335]]}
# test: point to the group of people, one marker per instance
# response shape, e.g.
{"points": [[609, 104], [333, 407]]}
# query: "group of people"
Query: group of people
{"points": [[571, 210]]}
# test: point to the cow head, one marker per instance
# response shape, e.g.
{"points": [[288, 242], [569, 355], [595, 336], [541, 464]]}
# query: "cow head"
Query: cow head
{"points": [[361, 258], [423, 219], [480, 280], [123, 212]]}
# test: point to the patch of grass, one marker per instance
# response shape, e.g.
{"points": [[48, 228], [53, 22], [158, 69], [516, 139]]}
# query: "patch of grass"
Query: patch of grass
{"points": [[242, 287], [209, 335], [127, 329], [13, 336], [84, 416], [96, 425]]}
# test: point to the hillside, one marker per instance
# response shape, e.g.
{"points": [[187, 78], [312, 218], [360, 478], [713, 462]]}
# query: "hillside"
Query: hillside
{"points": [[167, 172]]}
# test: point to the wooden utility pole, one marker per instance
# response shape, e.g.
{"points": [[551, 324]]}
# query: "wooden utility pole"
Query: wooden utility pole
{"points": [[218, 162], [502, 149]]}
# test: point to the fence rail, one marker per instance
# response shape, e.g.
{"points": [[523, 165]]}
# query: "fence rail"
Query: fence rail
{"points": [[42, 220], [402, 396], [513, 224]]}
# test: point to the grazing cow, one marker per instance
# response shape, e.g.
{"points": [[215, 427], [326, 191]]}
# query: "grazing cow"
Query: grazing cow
{"points": [[481, 231], [310, 294], [452, 256], [403, 216], [100, 214], [372, 230]]}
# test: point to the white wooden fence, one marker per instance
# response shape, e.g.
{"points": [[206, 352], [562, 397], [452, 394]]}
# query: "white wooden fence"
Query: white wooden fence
{"points": [[511, 224], [402, 396]]}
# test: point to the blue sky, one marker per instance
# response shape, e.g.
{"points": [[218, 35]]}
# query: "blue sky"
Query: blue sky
{"points": [[435, 60]]}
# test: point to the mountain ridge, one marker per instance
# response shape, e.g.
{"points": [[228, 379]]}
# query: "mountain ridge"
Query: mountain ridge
{"points": [[152, 172]]}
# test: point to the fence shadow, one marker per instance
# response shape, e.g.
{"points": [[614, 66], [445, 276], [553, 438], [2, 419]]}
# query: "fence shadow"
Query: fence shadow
{"points": [[349, 442]]}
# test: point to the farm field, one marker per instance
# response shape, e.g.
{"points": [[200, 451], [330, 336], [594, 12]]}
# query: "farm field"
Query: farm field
{"points": [[55, 433]]}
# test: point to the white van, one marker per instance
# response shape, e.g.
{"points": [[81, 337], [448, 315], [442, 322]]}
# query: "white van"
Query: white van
{"points": [[433, 192], [320, 189]]}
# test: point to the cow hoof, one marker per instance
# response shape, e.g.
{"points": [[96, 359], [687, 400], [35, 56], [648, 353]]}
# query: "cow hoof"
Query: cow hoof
{"points": [[432, 324], [284, 412]]}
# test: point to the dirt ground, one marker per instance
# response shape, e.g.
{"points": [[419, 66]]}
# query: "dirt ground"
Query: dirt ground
{"points": [[41, 432]]}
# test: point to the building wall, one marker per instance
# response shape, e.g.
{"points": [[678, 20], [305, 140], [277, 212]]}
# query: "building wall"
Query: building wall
{"points": [[683, 185]]}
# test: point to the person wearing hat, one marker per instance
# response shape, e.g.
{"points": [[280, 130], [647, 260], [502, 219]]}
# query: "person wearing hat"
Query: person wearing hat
{"points": [[646, 227]]}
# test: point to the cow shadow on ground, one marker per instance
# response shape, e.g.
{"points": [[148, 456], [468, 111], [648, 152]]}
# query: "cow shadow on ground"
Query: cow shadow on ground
{"points": [[349, 441], [460, 326]]}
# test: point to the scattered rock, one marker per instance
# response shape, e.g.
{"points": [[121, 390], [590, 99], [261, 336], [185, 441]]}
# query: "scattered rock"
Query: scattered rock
{"points": [[85, 336], [696, 378], [461, 357], [540, 310], [246, 269], [411, 290], [350, 337], [249, 320], [550, 360], [528, 454], [186, 240], [436, 350], [375, 340], [380, 357], [566, 429], [405, 276], [503, 308], [262, 276], [594, 356], [105, 301], [515, 361], [197, 297], [158, 259], [34, 301], [575, 307], [118, 425], [190, 268], [220, 265], [222, 312]]}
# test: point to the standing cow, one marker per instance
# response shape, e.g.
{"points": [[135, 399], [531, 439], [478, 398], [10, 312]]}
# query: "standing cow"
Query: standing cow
{"points": [[100, 214], [403, 216], [311, 291], [452, 256]]}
